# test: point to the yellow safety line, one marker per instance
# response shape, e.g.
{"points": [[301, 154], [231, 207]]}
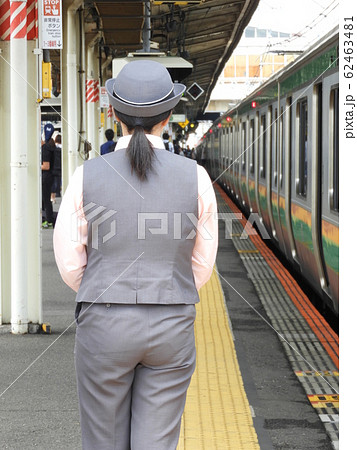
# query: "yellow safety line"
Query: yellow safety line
{"points": [[217, 413]]}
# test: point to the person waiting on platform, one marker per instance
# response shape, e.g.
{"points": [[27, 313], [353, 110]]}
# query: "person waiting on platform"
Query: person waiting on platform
{"points": [[136, 288], [47, 157], [168, 144], [108, 146], [57, 169]]}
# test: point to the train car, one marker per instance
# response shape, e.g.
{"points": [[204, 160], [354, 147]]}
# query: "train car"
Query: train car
{"points": [[276, 153]]}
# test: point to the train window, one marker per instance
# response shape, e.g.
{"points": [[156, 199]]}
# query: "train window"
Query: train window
{"points": [[252, 146], [244, 144], [231, 144], [263, 130], [335, 147], [303, 146]]}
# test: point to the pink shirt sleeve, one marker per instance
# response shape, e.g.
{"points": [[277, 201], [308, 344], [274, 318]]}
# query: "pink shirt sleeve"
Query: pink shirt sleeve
{"points": [[71, 232], [205, 249]]}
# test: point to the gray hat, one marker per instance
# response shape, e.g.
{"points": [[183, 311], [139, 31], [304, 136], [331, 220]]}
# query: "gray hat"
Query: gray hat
{"points": [[143, 89]]}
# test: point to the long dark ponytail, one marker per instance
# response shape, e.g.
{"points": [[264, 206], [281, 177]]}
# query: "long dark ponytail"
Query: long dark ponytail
{"points": [[140, 151]]}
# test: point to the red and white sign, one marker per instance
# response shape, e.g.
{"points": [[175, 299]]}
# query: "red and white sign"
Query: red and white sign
{"points": [[51, 20]]}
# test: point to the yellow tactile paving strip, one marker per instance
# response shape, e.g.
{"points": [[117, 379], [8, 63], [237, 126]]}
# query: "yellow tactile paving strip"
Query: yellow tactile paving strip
{"points": [[217, 413]]}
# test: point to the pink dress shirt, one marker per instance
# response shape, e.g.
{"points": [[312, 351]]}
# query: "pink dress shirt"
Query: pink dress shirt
{"points": [[71, 230]]}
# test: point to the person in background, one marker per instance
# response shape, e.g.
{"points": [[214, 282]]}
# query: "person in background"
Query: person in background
{"points": [[177, 148], [47, 158], [108, 146], [188, 152], [56, 171], [168, 144]]}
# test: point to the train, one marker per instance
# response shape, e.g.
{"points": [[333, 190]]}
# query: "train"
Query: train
{"points": [[276, 153]]}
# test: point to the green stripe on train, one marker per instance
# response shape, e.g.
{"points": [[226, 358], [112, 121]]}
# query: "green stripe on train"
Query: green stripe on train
{"points": [[302, 233], [331, 254]]}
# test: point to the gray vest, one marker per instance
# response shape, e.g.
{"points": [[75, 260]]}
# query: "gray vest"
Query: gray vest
{"points": [[141, 234]]}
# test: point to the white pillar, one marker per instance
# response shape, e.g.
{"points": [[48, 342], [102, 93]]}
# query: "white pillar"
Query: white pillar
{"points": [[83, 82], [92, 95], [70, 97], [5, 195], [71, 91], [19, 169]]}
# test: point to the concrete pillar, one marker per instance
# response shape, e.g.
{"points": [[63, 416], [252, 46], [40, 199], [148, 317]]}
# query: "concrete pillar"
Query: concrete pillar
{"points": [[92, 96], [20, 219], [70, 98], [19, 168], [83, 84], [72, 91], [5, 183]]}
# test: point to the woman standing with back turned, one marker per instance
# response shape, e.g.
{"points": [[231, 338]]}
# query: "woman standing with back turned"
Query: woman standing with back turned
{"points": [[136, 252]]}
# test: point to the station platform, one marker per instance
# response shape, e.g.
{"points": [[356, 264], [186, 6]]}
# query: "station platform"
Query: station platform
{"points": [[267, 367]]}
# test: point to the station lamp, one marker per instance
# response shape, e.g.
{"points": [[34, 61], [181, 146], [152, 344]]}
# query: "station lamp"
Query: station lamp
{"points": [[254, 104], [178, 67]]}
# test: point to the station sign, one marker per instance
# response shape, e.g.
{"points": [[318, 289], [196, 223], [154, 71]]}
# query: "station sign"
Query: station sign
{"points": [[51, 24], [176, 118], [195, 91], [103, 99], [184, 124]]}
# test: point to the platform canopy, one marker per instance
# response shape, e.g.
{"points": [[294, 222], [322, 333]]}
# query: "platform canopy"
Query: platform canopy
{"points": [[204, 33]]}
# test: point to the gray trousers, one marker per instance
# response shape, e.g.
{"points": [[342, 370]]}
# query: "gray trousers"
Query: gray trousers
{"points": [[134, 364]]}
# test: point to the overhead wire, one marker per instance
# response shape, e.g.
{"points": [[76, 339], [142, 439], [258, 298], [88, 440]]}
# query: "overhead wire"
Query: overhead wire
{"points": [[322, 15]]}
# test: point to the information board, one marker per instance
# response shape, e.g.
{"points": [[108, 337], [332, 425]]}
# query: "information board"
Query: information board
{"points": [[51, 24]]}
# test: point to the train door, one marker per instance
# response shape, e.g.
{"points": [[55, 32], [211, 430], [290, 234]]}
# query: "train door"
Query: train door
{"points": [[330, 184], [223, 152], [239, 160], [286, 180], [263, 161], [303, 201], [274, 172], [230, 157], [252, 163], [226, 153], [244, 164], [257, 157], [269, 170], [235, 156], [317, 109], [217, 156], [281, 228]]}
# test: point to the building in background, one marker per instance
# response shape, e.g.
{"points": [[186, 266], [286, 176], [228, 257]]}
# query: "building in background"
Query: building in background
{"points": [[259, 55]]}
